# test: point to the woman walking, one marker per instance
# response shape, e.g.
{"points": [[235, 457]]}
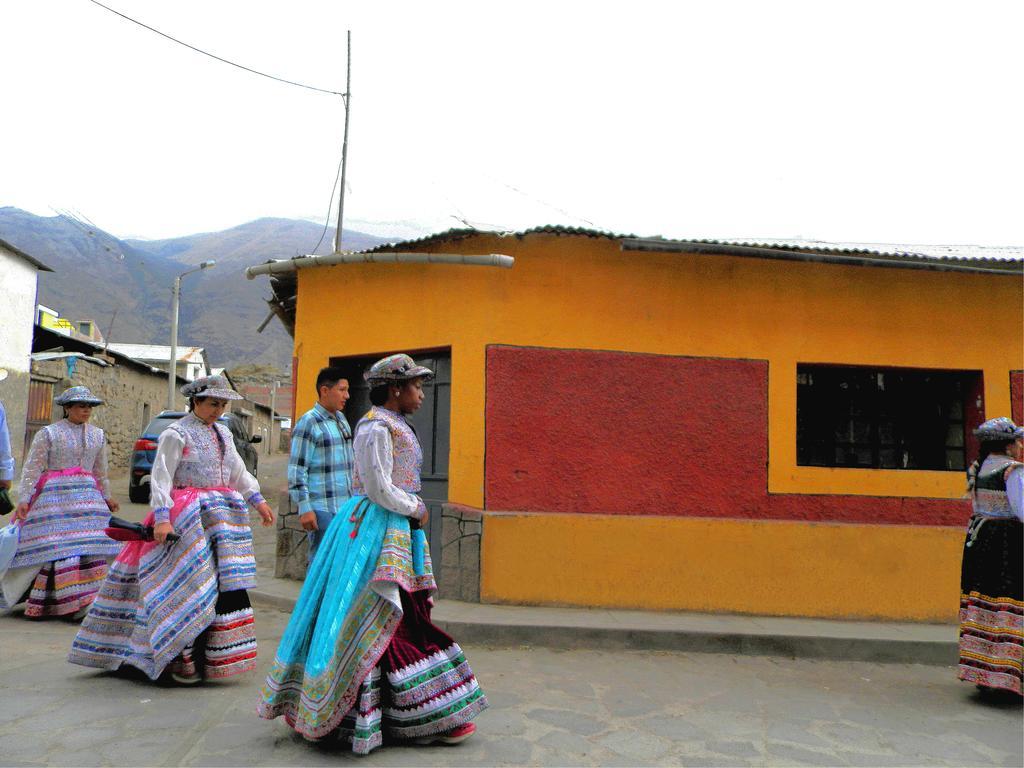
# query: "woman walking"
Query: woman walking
{"points": [[991, 607], [65, 504], [360, 657], [183, 604]]}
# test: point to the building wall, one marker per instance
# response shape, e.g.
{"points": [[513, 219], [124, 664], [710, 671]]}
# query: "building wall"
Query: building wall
{"points": [[126, 391], [18, 281], [261, 393], [757, 318], [1017, 396], [261, 423], [653, 435], [672, 452]]}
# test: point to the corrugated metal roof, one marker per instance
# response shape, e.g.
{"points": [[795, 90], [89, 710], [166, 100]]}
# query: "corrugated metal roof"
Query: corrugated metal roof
{"points": [[454, 235], [989, 256], [47, 336], [161, 352], [996, 256], [956, 252]]}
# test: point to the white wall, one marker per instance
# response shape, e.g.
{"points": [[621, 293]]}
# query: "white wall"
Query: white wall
{"points": [[17, 320], [18, 286]]}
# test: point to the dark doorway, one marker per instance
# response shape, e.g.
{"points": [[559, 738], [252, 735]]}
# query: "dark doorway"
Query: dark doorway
{"points": [[431, 423]]}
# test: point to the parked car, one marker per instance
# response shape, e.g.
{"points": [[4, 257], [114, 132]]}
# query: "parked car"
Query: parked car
{"points": [[144, 450]]}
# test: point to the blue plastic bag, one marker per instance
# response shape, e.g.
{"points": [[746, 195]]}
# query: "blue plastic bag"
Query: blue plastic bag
{"points": [[9, 536]]}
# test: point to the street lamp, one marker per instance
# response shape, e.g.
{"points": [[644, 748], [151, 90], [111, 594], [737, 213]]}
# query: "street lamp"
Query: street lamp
{"points": [[173, 368]]}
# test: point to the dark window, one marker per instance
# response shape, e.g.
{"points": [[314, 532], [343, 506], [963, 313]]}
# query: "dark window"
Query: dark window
{"points": [[884, 418]]}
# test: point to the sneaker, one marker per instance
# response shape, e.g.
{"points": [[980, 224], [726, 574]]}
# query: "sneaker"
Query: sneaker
{"points": [[454, 736]]}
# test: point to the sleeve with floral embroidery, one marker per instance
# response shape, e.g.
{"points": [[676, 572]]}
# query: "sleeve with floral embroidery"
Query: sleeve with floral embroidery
{"points": [[1015, 491], [169, 448], [36, 461], [99, 467]]}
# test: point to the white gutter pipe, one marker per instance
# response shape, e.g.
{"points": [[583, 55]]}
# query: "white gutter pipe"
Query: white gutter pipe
{"points": [[291, 265]]}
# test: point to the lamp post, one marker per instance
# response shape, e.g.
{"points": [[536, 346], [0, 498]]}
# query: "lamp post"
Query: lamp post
{"points": [[172, 372]]}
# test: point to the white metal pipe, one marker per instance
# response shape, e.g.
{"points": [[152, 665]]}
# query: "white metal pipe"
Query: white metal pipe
{"points": [[290, 265]]}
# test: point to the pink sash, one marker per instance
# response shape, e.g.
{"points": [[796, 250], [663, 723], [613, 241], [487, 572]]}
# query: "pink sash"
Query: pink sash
{"points": [[51, 473], [133, 551]]}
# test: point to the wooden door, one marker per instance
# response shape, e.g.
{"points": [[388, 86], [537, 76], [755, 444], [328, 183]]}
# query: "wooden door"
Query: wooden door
{"points": [[40, 408]]}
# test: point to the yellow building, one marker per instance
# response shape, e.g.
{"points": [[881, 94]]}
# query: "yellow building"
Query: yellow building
{"points": [[686, 425]]}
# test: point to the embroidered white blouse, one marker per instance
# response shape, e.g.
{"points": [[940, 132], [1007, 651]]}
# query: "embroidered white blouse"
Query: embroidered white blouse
{"points": [[374, 458], [63, 445], [193, 454]]}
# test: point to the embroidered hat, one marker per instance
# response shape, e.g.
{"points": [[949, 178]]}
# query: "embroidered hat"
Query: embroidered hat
{"points": [[999, 428], [81, 395], [211, 386], [398, 367]]}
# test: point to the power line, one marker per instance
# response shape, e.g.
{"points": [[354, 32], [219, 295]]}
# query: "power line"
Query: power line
{"points": [[214, 56], [538, 200], [330, 206]]}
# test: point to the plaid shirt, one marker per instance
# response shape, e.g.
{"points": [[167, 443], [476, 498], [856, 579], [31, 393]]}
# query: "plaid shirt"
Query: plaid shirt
{"points": [[320, 465]]}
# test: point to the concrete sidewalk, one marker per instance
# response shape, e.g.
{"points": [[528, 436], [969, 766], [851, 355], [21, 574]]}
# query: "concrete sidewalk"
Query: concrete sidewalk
{"points": [[605, 629]]}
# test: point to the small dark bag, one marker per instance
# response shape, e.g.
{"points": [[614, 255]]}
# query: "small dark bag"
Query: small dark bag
{"points": [[6, 505], [122, 530]]}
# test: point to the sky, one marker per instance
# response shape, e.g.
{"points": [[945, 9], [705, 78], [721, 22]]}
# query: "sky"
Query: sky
{"points": [[882, 122]]}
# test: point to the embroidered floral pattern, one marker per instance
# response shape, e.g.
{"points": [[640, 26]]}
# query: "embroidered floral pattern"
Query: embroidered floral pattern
{"points": [[63, 445], [408, 454]]}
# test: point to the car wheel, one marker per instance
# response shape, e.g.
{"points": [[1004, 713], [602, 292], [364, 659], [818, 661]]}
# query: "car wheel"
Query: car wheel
{"points": [[138, 494]]}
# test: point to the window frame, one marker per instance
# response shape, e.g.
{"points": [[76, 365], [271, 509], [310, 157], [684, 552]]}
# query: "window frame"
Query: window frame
{"points": [[876, 425]]}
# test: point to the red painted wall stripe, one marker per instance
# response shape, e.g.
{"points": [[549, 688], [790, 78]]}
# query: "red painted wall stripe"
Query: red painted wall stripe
{"points": [[617, 433]]}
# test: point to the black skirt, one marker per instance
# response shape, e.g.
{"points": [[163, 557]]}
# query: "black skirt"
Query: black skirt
{"points": [[991, 607]]}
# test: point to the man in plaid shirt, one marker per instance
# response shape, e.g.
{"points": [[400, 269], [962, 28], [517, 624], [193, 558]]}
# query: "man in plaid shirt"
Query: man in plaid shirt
{"points": [[320, 465]]}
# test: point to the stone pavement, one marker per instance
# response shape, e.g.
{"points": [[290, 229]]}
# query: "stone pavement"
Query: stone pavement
{"points": [[772, 691], [548, 707]]}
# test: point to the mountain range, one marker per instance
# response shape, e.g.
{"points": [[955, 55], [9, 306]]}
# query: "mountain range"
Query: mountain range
{"points": [[125, 285]]}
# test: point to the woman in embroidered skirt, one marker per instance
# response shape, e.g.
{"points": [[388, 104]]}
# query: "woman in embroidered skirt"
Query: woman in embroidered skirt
{"points": [[360, 657], [991, 607], [64, 506], [183, 604]]}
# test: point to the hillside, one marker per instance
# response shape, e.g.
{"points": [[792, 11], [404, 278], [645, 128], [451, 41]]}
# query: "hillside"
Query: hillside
{"points": [[96, 273]]}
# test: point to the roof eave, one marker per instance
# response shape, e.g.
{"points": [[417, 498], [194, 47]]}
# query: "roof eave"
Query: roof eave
{"points": [[30, 259], [821, 257]]}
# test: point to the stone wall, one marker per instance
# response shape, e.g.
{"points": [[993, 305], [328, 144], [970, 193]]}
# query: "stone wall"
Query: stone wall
{"points": [[458, 573], [291, 542], [462, 529], [133, 396]]}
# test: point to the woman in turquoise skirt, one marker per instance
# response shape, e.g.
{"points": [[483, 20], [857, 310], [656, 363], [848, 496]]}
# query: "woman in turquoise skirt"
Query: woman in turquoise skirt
{"points": [[360, 657]]}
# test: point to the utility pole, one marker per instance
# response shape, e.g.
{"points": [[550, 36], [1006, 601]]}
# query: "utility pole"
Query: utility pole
{"points": [[172, 370], [344, 147]]}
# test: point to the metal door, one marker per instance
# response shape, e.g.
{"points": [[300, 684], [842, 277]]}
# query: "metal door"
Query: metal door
{"points": [[431, 423], [40, 408]]}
